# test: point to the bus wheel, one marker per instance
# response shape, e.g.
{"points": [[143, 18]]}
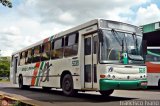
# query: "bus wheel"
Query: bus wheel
{"points": [[107, 92], [159, 84], [21, 86], [67, 85]]}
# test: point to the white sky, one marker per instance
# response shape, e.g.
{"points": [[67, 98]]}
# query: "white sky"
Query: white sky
{"points": [[32, 20]]}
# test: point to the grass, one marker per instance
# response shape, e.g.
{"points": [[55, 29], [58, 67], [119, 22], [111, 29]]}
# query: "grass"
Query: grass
{"points": [[4, 80]]}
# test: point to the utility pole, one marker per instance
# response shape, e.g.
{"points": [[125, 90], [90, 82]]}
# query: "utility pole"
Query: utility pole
{"points": [[6, 3]]}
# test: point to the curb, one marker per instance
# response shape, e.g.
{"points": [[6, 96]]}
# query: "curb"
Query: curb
{"points": [[6, 100]]}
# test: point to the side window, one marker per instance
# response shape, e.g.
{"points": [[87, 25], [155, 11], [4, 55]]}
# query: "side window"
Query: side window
{"points": [[22, 58], [87, 48], [95, 40], [71, 45], [46, 51], [29, 56], [36, 54], [57, 48]]}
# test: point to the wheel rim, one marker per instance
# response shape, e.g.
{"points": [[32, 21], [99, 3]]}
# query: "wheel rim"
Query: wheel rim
{"points": [[67, 85], [20, 82]]}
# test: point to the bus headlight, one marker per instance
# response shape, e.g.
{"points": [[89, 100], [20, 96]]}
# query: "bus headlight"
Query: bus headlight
{"points": [[144, 76], [109, 76]]}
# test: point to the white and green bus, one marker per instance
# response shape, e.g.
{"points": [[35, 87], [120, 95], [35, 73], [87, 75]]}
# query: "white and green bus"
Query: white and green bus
{"points": [[100, 55]]}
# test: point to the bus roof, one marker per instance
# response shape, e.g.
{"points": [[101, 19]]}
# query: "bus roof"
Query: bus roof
{"points": [[89, 23], [71, 30]]}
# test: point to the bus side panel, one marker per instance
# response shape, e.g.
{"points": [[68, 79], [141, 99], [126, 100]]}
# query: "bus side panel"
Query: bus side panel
{"points": [[11, 75], [27, 73], [153, 79], [48, 73]]}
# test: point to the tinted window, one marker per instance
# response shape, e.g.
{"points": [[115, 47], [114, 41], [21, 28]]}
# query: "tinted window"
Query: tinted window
{"points": [[22, 58], [95, 40], [153, 55], [87, 48], [71, 45], [57, 48], [46, 51], [36, 54], [29, 56]]}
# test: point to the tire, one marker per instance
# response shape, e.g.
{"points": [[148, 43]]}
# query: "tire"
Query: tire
{"points": [[159, 84], [67, 85], [21, 86], [20, 82], [107, 92]]}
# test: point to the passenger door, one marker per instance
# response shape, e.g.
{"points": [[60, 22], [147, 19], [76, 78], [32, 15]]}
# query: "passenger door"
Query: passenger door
{"points": [[90, 60], [14, 71]]}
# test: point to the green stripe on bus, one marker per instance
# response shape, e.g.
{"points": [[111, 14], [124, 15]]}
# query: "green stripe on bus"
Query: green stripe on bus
{"points": [[39, 72]]}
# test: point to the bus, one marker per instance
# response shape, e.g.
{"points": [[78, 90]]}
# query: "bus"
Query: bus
{"points": [[99, 55], [153, 65]]}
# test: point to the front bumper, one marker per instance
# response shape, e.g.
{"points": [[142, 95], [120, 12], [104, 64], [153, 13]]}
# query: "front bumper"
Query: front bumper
{"points": [[106, 84]]}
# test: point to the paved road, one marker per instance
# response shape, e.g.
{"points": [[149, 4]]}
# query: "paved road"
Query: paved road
{"points": [[54, 97]]}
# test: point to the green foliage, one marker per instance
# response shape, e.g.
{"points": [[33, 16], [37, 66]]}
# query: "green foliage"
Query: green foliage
{"points": [[4, 67], [6, 3]]}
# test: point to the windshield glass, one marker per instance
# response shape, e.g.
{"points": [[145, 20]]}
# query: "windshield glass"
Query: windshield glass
{"points": [[153, 55], [115, 43]]}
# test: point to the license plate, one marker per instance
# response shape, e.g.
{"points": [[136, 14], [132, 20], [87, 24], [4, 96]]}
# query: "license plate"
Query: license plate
{"points": [[143, 83]]}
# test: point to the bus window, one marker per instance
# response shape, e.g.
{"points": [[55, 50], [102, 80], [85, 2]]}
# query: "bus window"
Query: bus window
{"points": [[36, 54], [95, 43], [46, 51], [57, 48], [71, 45], [22, 58], [153, 55], [29, 56]]}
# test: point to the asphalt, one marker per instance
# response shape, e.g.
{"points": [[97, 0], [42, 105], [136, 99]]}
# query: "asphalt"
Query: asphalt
{"points": [[53, 97]]}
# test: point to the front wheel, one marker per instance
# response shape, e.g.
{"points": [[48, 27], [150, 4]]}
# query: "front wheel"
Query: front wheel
{"points": [[67, 85], [106, 92]]}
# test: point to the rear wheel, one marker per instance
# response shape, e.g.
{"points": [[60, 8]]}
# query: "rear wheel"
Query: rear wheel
{"points": [[67, 85], [21, 86], [106, 92]]}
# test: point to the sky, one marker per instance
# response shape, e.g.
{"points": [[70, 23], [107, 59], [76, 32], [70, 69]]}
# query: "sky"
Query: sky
{"points": [[30, 21]]}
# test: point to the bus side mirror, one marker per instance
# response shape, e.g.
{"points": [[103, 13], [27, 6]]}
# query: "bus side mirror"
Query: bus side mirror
{"points": [[144, 47]]}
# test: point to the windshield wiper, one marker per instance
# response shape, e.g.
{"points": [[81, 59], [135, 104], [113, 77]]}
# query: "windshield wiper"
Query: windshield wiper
{"points": [[115, 35], [136, 42], [119, 40], [123, 57]]}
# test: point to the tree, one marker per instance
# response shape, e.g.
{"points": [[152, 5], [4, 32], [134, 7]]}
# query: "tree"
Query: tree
{"points": [[6, 3], [4, 66]]}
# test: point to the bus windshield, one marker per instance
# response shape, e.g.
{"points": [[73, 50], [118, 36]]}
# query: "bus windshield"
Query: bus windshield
{"points": [[115, 43], [153, 55]]}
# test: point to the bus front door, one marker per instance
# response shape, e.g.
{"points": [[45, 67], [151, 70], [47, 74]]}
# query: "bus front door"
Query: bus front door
{"points": [[90, 60], [14, 71]]}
